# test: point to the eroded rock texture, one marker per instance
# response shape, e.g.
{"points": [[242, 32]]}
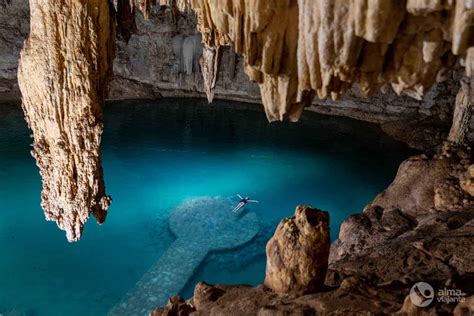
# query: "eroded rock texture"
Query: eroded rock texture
{"points": [[265, 32], [297, 254], [65, 65], [295, 49], [146, 66]]}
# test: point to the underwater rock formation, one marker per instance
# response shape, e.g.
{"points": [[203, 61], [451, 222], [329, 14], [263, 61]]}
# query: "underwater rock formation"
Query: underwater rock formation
{"points": [[198, 232], [63, 74], [297, 253]]}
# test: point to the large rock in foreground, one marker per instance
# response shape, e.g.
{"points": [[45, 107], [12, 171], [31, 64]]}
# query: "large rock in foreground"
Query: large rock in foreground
{"points": [[297, 254]]}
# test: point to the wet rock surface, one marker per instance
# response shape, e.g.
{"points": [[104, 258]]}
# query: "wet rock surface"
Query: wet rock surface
{"points": [[380, 254]]}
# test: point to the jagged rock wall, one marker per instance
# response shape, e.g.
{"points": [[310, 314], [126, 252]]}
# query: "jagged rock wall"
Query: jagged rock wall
{"points": [[147, 67], [64, 69]]}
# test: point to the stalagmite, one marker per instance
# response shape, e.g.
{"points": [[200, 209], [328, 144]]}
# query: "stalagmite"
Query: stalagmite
{"points": [[64, 68]]}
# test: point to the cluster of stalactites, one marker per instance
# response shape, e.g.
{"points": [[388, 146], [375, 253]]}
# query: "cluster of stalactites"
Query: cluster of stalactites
{"points": [[297, 48]]}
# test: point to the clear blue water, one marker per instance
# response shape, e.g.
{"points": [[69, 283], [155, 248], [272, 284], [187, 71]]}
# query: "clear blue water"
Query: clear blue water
{"points": [[157, 155]]}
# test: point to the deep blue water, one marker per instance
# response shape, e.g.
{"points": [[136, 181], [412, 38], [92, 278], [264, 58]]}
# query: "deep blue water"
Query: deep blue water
{"points": [[157, 155]]}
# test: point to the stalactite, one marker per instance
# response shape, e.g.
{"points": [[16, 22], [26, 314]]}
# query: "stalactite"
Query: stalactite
{"points": [[265, 32], [209, 67], [125, 17], [64, 68], [295, 49]]}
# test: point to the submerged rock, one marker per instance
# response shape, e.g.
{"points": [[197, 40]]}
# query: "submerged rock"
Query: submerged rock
{"points": [[297, 254]]}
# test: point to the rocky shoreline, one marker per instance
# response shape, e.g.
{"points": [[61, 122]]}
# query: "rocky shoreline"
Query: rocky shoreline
{"points": [[421, 229]]}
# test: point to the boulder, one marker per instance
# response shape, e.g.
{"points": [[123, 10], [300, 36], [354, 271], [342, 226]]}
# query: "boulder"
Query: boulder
{"points": [[297, 254]]}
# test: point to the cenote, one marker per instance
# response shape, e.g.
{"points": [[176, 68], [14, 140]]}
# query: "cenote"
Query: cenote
{"points": [[158, 156]]}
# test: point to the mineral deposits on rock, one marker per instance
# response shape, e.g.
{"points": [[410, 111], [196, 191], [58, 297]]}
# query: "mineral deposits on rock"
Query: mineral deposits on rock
{"points": [[63, 74], [147, 67], [295, 49], [298, 251], [429, 181]]}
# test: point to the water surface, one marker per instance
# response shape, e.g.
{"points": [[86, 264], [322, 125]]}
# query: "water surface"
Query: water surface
{"points": [[157, 155]]}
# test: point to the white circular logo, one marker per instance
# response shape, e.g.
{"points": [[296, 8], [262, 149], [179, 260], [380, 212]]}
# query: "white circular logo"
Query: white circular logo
{"points": [[421, 294]]}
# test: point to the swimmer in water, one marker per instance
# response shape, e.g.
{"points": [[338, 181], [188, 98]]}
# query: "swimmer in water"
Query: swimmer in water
{"points": [[243, 201]]}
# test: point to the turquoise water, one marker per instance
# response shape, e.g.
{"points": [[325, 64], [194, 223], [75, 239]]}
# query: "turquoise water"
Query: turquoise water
{"points": [[156, 155]]}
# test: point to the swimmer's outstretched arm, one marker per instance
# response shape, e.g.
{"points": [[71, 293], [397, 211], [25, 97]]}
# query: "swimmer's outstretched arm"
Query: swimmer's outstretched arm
{"points": [[252, 201], [240, 197]]}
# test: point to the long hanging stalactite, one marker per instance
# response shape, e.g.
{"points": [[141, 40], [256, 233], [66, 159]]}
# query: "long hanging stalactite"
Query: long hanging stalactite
{"points": [[64, 68]]}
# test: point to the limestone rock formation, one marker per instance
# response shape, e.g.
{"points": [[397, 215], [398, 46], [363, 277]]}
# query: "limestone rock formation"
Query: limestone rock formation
{"points": [[209, 62], [146, 66], [298, 251], [266, 34], [428, 181], [63, 73], [467, 182], [420, 228], [294, 49]]}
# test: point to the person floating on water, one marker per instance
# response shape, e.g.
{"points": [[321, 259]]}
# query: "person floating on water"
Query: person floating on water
{"points": [[242, 203]]}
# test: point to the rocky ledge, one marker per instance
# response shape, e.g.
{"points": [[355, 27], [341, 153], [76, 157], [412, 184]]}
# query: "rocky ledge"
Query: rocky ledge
{"points": [[421, 229]]}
